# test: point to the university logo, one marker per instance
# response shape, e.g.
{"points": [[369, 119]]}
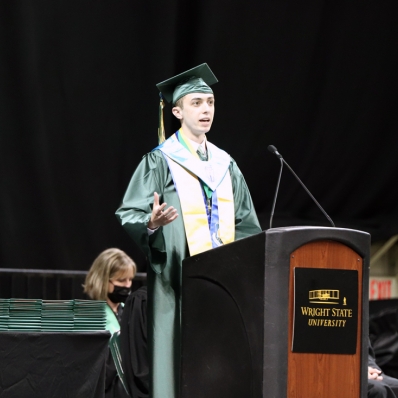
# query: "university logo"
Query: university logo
{"points": [[324, 296], [325, 316]]}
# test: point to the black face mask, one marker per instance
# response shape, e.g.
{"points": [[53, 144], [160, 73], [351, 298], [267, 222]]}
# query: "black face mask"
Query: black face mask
{"points": [[119, 294]]}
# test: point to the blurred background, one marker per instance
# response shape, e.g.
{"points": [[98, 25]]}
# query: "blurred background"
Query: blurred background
{"points": [[79, 108]]}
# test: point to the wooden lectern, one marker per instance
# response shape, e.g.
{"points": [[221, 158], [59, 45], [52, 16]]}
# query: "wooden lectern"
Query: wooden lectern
{"points": [[280, 314]]}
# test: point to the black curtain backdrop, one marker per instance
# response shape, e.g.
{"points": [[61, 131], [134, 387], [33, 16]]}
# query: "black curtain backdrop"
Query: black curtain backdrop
{"points": [[79, 108]]}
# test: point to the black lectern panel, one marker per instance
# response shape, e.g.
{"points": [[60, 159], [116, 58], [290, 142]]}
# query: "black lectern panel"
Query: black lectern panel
{"points": [[223, 321]]}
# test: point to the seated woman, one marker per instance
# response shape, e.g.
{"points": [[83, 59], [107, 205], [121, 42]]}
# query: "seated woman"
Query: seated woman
{"points": [[110, 278]]}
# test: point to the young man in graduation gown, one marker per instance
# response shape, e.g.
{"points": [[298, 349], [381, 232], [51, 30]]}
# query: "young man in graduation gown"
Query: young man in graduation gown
{"points": [[185, 197]]}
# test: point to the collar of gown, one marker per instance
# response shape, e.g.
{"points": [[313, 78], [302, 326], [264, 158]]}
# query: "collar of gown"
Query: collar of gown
{"points": [[196, 146], [210, 172]]}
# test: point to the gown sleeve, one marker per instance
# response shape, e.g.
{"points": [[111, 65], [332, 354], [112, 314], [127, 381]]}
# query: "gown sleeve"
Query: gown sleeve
{"points": [[136, 208], [246, 222]]}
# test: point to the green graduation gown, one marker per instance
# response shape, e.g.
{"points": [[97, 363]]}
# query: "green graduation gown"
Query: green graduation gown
{"points": [[166, 249]]}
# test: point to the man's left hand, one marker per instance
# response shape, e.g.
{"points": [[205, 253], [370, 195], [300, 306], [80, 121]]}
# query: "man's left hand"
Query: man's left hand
{"points": [[374, 374]]}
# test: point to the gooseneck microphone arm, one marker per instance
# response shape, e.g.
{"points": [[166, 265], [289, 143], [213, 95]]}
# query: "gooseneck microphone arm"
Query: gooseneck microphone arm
{"points": [[276, 192], [273, 149]]}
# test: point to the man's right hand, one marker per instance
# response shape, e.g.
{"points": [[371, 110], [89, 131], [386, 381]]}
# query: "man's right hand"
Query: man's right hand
{"points": [[159, 216]]}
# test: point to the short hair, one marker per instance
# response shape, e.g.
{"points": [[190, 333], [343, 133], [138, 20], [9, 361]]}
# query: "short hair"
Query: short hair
{"points": [[105, 267], [180, 102]]}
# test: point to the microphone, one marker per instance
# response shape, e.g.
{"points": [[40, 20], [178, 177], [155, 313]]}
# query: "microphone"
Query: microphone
{"points": [[273, 150]]}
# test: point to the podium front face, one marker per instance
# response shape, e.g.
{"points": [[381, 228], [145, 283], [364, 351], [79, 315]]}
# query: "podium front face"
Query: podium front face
{"points": [[279, 314], [328, 317]]}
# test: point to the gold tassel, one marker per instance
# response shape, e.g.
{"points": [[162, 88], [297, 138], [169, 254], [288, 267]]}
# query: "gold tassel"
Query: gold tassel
{"points": [[161, 132]]}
